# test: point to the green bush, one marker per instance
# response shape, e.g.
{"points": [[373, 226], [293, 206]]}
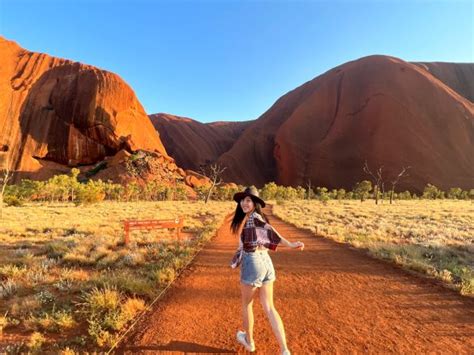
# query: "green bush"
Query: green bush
{"points": [[13, 201], [92, 192], [362, 190], [455, 193], [269, 191], [322, 194], [431, 192]]}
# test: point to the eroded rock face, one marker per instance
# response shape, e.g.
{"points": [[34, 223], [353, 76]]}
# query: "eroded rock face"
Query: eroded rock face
{"points": [[192, 143], [142, 166], [57, 111], [196, 180], [381, 109]]}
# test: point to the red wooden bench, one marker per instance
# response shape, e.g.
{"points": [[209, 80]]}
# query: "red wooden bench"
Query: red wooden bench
{"points": [[148, 224]]}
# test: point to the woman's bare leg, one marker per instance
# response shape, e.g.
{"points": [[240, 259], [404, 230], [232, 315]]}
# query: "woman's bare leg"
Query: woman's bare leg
{"points": [[248, 292], [266, 299]]}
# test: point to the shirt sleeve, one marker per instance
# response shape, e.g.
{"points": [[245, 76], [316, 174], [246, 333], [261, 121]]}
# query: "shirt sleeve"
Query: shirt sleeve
{"points": [[260, 218]]}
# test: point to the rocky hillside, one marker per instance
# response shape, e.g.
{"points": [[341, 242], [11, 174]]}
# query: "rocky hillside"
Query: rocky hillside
{"points": [[381, 109], [56, 114], [192, 143]]}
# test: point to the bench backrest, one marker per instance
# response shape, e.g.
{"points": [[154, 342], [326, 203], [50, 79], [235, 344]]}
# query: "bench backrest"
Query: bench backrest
{"points": [[154, 223]]}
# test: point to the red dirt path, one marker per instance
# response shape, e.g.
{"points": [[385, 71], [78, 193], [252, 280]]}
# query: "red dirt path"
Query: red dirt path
{"points": [[331, 298]]}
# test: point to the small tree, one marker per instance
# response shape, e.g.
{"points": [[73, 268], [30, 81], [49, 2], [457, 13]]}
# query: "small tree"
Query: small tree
{"points": [[395, 181], [309, 190], [362, 189], [300, 192], [341, 194], [431, 192], [322, 194], [376, 179], [455, 193], [214, 173], [290, 193], [73, 183], [406, 195], [5, 176], [471, 194], [269, 191]]}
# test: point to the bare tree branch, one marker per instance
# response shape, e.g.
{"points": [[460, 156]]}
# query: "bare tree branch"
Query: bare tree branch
{"points": [[213, 173], [377, 180], [5, 176], [402, 173]]}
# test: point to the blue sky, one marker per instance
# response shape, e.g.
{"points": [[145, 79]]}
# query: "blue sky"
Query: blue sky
{"points": [[231, 60]]}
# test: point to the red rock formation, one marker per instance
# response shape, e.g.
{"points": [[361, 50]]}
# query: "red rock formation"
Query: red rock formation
{"points": [[458, 76], [192, 143], [195, 179], [55, 111], [142, 166], [378, 108]]}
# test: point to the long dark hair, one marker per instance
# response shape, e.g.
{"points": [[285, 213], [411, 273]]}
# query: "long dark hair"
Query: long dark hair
{"points": [[240, 214]]}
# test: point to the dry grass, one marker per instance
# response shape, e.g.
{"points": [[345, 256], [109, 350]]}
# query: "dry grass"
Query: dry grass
{"points": [[432, 236], [66, 276]]}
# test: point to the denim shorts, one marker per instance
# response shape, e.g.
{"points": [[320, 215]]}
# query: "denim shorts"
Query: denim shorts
{"points": [[256, 268]]}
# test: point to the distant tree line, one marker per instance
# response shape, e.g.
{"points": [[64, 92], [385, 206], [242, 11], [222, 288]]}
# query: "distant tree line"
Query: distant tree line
{"points": [[362, 191], [67, 188]]}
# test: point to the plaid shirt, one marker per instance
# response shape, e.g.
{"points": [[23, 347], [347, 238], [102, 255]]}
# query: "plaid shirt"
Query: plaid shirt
{"points": [[258, 232], [255, 232]]}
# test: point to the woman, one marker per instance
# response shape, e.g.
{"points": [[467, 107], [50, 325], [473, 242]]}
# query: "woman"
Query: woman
{"points": [[257, 236]]}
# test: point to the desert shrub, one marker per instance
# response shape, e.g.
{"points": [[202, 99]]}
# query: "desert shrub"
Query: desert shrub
{"points": [[53, 321], [224, 193], [108, 311], [455, 193], [269, 191], [36, 342], [432, 192], [8, 288], [13, 201], [362, 189], [92, 192], [322, 194], [406, 195]]}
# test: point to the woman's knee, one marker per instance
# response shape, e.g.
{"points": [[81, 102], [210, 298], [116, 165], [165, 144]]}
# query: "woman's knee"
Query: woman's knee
{"points": [[246, 302], [268, 307]]}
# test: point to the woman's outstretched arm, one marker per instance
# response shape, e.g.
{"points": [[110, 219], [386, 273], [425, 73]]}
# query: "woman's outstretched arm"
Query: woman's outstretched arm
{"points": [[287, 243]]}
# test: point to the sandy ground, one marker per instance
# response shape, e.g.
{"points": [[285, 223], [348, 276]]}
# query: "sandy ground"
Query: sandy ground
{"points": [[331, 297]]}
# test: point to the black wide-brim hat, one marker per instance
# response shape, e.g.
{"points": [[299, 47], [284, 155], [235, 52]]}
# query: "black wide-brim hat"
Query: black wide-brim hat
{"points": [[249, 191]]}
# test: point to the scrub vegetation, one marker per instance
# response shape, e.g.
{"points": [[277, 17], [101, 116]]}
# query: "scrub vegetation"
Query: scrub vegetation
{"points": [[67, 281], [435, 237]]}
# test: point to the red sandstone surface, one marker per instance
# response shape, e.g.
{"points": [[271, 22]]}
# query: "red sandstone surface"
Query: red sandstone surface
{"points": [[192, 143], [55, 113], [458, 76], [381, 109]]}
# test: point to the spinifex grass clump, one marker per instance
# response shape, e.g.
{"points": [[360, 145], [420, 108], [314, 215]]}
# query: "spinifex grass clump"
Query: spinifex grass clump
{"points": [[107, 311]]}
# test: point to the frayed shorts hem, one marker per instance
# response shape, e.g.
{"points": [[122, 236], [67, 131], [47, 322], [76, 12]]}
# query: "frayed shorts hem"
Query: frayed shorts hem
{"points": [[256, 284]]}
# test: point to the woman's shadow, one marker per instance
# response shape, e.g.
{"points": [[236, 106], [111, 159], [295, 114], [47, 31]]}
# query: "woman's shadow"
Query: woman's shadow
{"points": [[183, 346]]}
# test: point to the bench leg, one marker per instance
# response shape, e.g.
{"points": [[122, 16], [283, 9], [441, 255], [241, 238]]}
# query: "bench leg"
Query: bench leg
{"points": [[126, 236]]}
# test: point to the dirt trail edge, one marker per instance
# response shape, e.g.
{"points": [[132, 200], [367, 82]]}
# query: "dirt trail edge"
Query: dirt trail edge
{"points": [[331, 298]]}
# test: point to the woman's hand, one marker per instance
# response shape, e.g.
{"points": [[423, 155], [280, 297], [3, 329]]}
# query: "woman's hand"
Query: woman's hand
{"points": [[297, 245]]}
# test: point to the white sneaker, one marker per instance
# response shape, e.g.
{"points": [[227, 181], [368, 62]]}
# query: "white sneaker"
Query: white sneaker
{"points": [[243, 340]]}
